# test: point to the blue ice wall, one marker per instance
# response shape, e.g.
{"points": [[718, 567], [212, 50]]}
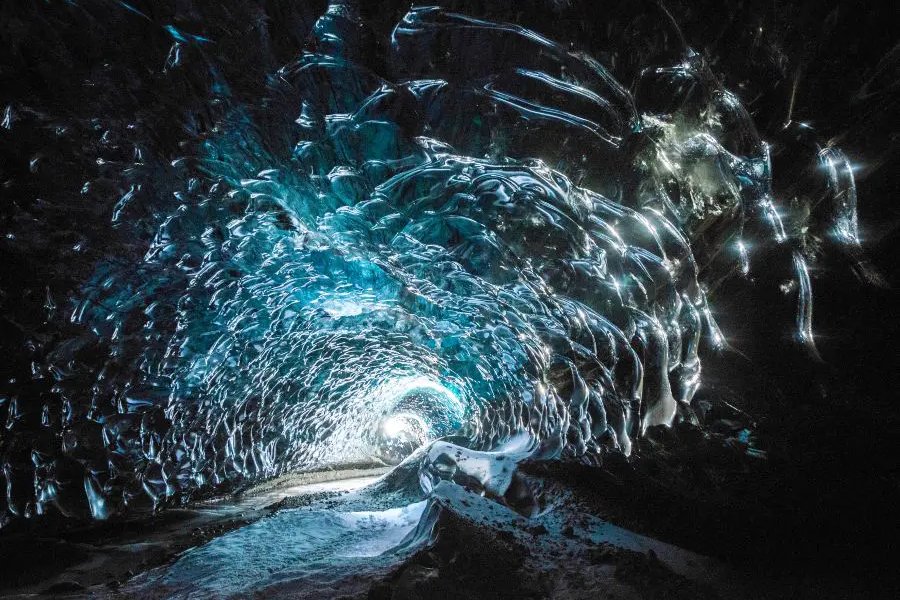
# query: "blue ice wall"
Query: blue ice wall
{"points": [[480, 234]]}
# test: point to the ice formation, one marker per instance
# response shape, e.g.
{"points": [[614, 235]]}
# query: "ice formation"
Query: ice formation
{"points": [[487, 238]]}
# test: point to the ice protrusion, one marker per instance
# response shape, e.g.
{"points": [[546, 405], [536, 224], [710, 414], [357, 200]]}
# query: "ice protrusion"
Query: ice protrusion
{"points": [[492, 474]]}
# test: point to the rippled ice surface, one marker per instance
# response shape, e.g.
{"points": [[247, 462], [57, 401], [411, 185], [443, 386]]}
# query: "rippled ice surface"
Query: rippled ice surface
{"points": [[484, 235], [293, 543]]}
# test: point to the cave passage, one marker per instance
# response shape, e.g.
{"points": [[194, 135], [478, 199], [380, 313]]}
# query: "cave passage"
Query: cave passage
{"points": [[448, 242]]}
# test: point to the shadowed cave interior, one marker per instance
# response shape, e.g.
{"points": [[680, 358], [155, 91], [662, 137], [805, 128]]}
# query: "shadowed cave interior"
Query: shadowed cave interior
{"points": [[467, 300]]}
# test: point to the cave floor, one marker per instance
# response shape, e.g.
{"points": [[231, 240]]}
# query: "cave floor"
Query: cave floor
{"points": [[83, 559], [275, 541]]}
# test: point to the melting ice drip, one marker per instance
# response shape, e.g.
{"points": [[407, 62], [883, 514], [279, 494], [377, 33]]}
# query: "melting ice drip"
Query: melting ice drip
{"points": [[490, 238]]}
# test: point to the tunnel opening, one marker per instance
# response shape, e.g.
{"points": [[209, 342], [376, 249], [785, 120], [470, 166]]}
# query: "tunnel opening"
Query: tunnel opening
{"points": [[422, 411]]}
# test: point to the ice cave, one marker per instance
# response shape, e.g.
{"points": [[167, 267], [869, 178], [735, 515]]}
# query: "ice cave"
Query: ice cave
{"points": [[469, 299]]}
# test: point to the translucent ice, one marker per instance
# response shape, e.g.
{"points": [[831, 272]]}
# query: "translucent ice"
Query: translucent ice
{"points": [[483, 236]]}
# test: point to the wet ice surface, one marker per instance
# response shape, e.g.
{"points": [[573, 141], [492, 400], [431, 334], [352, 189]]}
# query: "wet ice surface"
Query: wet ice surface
{"points": [[330, 540], [487, 236], [361, 533], [291, 545], [331, 549]]}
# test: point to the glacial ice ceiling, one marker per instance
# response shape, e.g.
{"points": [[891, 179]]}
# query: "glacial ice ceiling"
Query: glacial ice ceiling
{"points": [[458, 227]]}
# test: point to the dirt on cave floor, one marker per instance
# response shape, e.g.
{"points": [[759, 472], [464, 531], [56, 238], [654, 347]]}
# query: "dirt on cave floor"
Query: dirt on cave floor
{"points": [[692, 514]]}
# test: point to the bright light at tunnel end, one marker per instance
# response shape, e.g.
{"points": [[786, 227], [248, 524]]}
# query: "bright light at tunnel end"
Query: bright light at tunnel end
{"points": [[399, 425], [416, 411]]}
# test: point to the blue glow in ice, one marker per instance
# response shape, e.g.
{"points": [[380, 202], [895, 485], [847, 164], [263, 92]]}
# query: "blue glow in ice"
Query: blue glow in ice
{"points": [[492, 240]]}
